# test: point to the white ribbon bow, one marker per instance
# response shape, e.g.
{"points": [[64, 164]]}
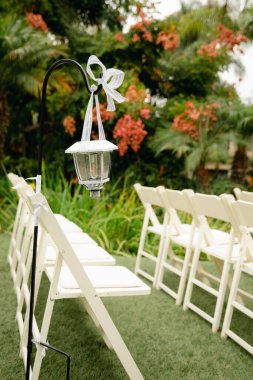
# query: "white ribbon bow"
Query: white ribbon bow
{"points": [[110, 80]]}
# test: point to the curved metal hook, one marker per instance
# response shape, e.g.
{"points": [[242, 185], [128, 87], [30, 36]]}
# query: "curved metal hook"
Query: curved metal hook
{"points": [[53, 67]]}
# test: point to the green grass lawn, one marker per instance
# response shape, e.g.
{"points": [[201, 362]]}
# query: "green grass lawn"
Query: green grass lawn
{"points": [[166, 342]]}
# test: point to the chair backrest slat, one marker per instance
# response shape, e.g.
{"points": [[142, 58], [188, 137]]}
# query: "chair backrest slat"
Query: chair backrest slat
{"points": [[210, 206], [175, 199], [148, 195], [244, 211], [246, 196]]}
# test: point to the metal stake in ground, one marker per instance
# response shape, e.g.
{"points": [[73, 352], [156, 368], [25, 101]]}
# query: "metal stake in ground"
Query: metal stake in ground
{"points": [[56, 65]]}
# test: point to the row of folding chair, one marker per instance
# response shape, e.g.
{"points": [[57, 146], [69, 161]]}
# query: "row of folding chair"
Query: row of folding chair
{"points": [[197, 236], [76, 268], [24, 221]]}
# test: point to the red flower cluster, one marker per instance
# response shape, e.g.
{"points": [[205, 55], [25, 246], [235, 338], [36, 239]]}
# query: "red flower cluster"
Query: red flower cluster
{"points": [[169, 40], [130, 133], [210, 50], [105, 115], [119, 37], [229, 39], [36, 21], [192, 119], [135, 95], [136, 38], [145, 112], [141, 26], [69, 124], [226, 39]]}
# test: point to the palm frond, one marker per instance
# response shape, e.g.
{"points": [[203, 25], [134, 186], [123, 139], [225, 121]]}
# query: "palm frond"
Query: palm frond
{"points": [[30, 83], [166, 139], [193, 160], [24, 48]]}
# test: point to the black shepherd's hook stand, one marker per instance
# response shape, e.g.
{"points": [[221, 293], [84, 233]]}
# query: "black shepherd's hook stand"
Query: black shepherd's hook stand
{"points": [[30, 341]]}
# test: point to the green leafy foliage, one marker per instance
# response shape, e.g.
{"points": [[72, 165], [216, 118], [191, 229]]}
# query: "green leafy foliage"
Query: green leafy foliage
{"points": [[173, 60]]}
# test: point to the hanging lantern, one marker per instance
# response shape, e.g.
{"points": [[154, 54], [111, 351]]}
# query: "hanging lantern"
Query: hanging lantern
{"points": [[92, 162], [92, 158]]}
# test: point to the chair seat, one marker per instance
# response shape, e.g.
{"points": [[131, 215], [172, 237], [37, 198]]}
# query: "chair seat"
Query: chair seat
{"points": [[66, 225], [220, 237], [220, 251], [248, 268], [158, 229], [88, 254], [183, 240], [106, 280], [80, 237]]}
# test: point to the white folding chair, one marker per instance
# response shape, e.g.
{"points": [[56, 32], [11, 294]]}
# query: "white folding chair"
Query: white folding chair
{"points": [[150, 200], [243, 213], [18, 229], [86, 249], [21, 222], [90, 284], [179, 234], [218, 245], [21, 236], [246, 196]]}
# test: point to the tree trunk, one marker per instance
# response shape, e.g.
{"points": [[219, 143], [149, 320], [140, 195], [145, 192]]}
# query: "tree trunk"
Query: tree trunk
{"points": [[240, 165], [202, 177], [4, 121]]}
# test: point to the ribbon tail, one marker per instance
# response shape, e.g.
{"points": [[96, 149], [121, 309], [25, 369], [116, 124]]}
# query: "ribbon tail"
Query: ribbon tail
{"points": [[87, 125], [110, 103], [112, 95], [101, 133]]}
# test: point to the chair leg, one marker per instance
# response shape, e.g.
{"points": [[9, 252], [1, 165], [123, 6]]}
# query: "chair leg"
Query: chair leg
{"points": [[95, 320], [193, 271], [115, 338], [163, 256], [17, 244], [14, 232], [183, 278], [43, 338], [221, 296], [47, 319], [188, 255], [24, 252], [231, 298], [141, 244]]}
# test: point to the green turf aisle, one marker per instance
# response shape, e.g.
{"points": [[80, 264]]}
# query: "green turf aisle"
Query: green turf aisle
{"points": [[166, 342]]}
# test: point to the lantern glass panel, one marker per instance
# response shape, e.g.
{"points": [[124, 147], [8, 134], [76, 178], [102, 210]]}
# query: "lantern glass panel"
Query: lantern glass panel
{"points": [[92, 166], [105, 164]]}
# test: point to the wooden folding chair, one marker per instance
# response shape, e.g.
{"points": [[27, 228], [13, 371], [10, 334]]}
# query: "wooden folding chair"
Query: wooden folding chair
{"points": [[76, 280], [150, 200], [243, 213], [180, 234], [218, 245]]}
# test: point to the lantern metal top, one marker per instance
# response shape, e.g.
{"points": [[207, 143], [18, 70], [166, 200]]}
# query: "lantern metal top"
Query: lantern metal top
{"points": [[91, 146]]}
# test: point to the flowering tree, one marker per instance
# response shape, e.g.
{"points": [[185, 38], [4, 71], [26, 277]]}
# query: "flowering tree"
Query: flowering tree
{"points": [[175, 62], [24, 43], [225, 39], [197, 134], [129, 130]]}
